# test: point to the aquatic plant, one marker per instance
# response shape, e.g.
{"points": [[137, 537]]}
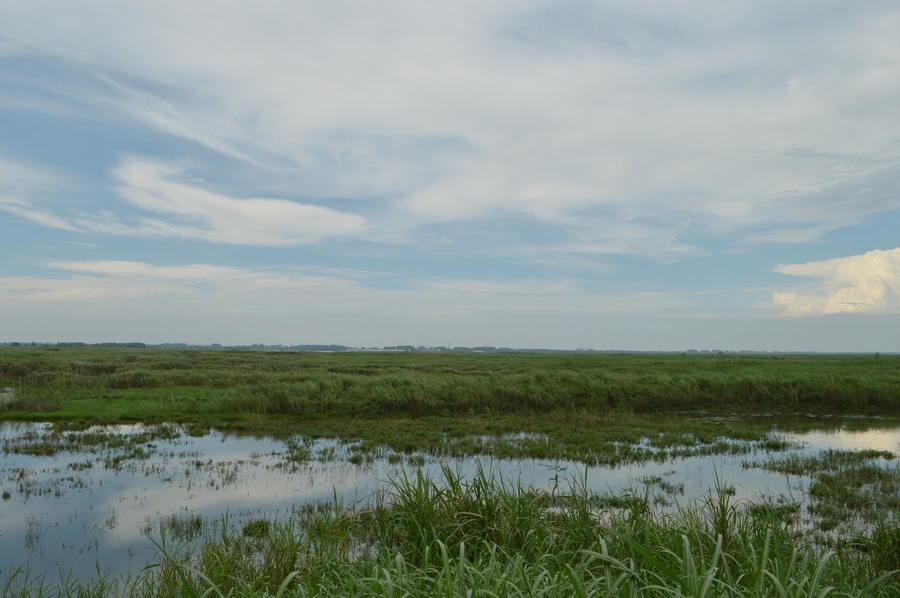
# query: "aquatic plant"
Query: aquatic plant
{"points": [[453, 536], [486, 536]]}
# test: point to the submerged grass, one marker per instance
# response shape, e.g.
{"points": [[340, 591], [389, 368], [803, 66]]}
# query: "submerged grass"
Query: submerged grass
{"points": [[847, 489], [486, 536]]}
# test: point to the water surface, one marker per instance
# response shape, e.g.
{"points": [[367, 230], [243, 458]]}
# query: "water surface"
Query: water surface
{"points": [[103, 503]]}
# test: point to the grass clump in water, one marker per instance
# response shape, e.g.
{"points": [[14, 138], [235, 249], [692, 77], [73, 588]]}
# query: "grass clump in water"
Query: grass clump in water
{"points": [[486, 536], [848, 489]]}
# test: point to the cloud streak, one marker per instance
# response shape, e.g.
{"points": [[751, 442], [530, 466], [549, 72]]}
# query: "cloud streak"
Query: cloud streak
{"points": [[101, 280], [192, 212], [18, 182], [23, 209], [283, 289], [552, 112]]}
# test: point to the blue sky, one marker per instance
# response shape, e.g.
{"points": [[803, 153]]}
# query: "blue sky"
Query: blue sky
{"points": [[612, 175]]}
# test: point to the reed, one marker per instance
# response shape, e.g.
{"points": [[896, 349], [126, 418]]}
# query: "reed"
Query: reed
{"points": [[141, 385]]}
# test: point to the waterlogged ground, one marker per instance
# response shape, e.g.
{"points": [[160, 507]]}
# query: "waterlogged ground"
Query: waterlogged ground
{"points": [[81, 499]]}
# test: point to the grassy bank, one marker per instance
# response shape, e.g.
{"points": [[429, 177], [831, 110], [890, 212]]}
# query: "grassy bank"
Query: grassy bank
{"points": [[154, 385], [589, 408], [487, 537]]}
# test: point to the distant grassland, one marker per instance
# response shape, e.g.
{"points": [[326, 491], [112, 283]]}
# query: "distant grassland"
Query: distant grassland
{"points": [[286, 389]]}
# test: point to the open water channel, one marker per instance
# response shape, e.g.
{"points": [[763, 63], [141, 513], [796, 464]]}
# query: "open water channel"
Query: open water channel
{"points": [[78, 500]]}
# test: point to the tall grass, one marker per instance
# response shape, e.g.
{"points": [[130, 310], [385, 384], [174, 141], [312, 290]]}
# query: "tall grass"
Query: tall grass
{"points": [[487, 536], [589, 408], [138, 384]]}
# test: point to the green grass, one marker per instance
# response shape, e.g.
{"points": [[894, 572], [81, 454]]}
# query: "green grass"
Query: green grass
{"points": [[848, 489], [156, 385], [486, 536], [594, 409], [575, 405]]}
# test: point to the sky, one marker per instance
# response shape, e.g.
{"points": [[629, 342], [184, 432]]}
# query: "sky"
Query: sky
{"points": [[617, 175]]}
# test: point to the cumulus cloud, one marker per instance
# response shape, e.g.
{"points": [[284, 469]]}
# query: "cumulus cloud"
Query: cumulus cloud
{"points": [[859, 284], [189, 211]]}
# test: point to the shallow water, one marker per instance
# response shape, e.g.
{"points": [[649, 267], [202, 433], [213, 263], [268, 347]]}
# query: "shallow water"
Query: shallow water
{"points": [[104, 504]]}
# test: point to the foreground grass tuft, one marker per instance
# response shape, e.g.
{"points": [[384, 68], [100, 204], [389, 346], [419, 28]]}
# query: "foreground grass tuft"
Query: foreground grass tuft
{"points": [[488, 537]]}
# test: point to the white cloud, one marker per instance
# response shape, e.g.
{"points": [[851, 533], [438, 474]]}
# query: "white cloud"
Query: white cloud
{"points": [[125, 269], [16, 178], [859, 284], [189, 211], [181, 207], [204, 286], [23, 209], [117, 300], [12, 45], [210, 285], [760, 114], [486, 287], [18, 181], [813, 234]]}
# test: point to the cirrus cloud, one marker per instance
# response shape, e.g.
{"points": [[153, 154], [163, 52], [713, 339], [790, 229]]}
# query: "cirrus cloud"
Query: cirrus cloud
{"points": [[574, 115], [192, 212], [18, 181]]}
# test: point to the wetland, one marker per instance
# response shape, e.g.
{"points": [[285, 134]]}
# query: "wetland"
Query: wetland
{"points": [[125, 472]]}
